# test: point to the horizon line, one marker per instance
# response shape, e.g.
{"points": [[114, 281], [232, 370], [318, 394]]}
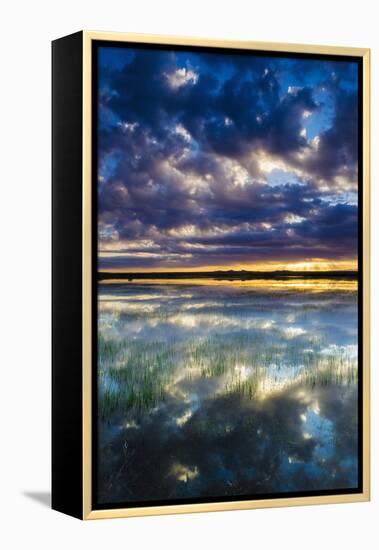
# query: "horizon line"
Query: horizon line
{"points": [[230, 271]]}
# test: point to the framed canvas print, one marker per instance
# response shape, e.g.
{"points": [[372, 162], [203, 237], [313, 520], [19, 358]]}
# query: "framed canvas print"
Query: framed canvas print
{"points": [[210, 275]]}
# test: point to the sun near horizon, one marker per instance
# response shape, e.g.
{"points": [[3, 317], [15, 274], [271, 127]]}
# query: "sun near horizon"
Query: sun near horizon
{"points": [[311, 265]]}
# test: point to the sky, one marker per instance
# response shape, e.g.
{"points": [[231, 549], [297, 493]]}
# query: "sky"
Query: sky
{"points": [[225, 161]]}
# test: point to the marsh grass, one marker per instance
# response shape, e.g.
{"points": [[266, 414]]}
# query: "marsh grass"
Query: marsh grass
{"points": [[136, 374], [335, 370]]}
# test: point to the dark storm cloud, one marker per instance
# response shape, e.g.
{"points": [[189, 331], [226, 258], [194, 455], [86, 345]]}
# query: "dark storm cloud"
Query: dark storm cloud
{"points": [[141, 93], [337, 151], [179, 142], [260, 118]]}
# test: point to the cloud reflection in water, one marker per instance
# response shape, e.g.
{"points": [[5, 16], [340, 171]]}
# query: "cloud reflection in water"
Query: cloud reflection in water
{"points": [[225, 391]]}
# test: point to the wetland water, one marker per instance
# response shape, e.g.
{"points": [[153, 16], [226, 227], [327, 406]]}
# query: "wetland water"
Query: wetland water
{"points": [[218, 389]]}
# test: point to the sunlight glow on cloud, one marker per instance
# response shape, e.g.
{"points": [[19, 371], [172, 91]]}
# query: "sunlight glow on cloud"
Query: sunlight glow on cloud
{"points": [[293, 219], [205, 165], [181, 77]]}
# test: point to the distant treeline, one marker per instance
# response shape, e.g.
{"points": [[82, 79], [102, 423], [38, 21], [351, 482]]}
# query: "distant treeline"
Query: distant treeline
{"points": [[232, 275]]}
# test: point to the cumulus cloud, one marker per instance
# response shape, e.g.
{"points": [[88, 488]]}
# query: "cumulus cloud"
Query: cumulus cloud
{"points": [[214, 159]]}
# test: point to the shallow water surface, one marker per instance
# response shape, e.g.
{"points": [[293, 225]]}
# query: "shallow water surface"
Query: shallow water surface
{"points": [[225, 389]]}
